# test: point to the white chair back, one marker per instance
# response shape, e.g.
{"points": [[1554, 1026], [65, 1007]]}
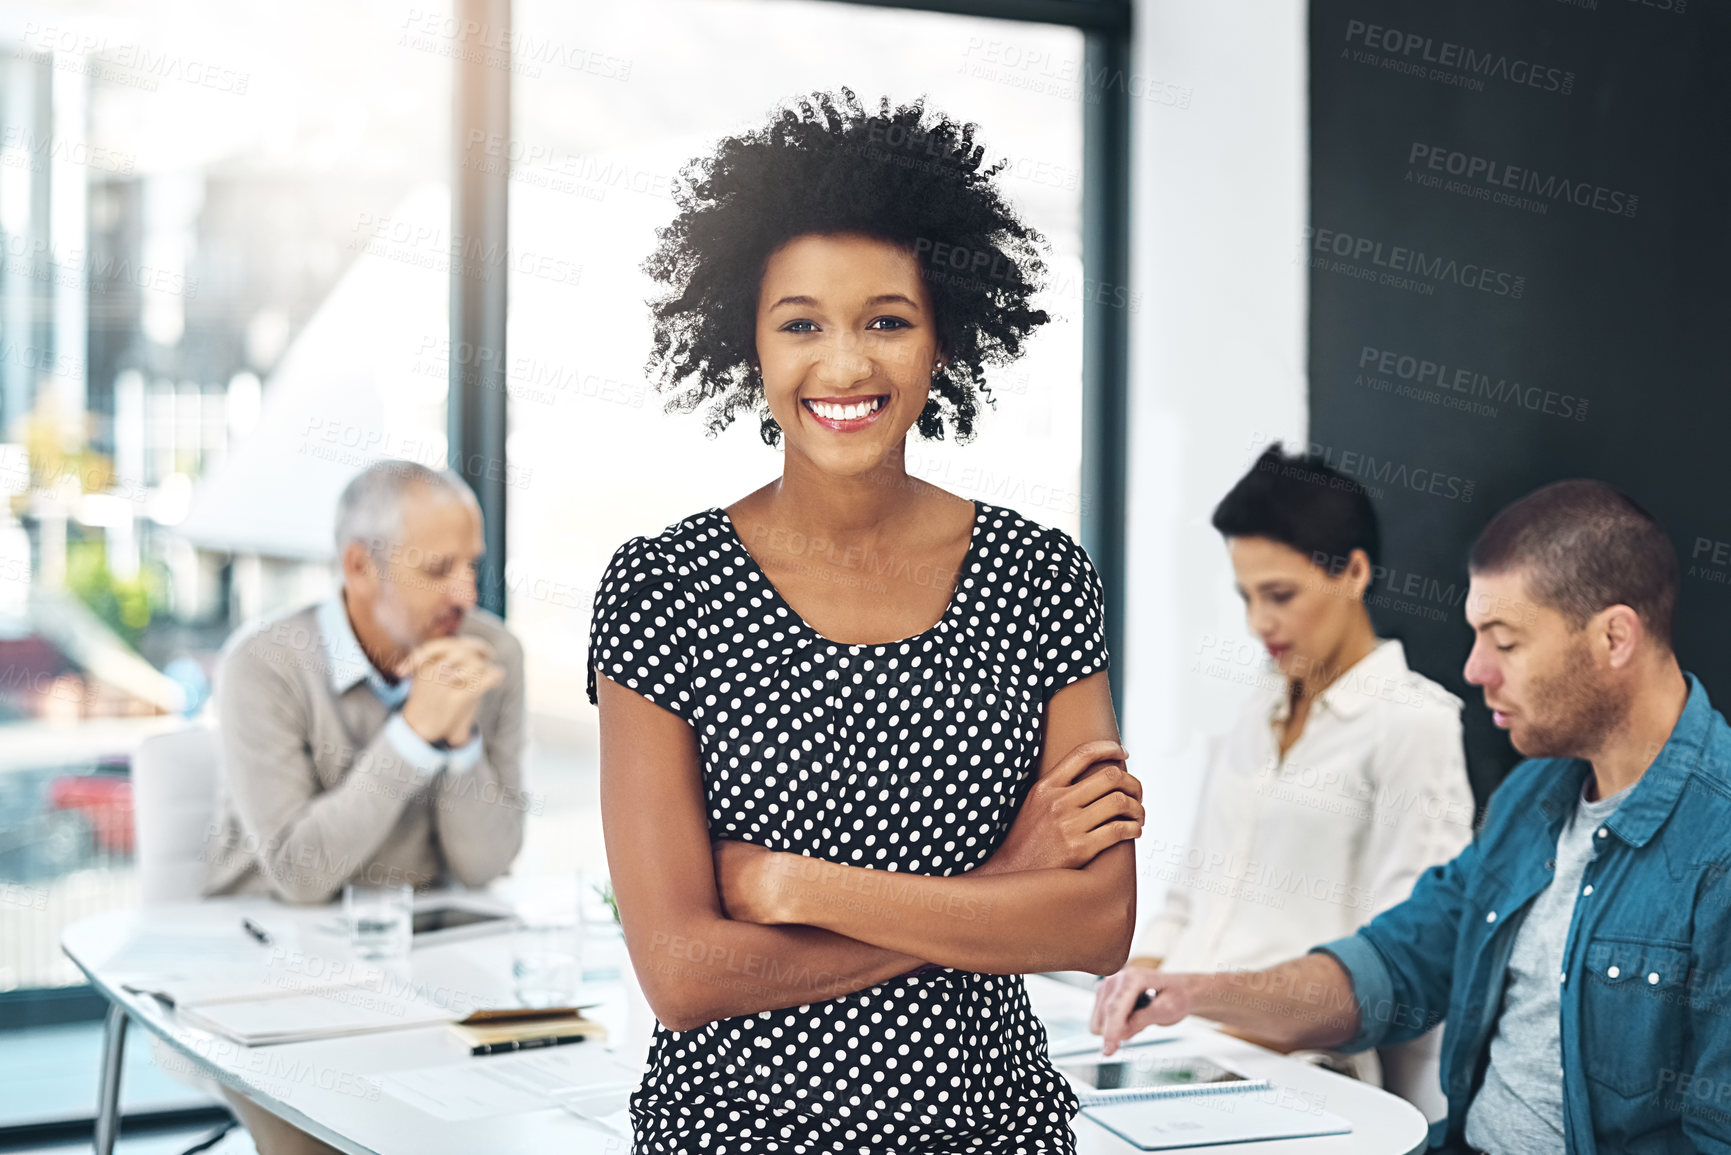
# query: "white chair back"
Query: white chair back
{"points": [[1414, 1072], [174, 785]]}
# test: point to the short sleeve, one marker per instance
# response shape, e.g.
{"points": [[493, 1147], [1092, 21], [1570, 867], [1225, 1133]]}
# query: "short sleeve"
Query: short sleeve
{"points": [[641, 631], [1072, 616]]}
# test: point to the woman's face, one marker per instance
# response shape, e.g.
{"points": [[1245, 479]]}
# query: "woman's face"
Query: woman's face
{"points": [[847, 343], [1301, 614]]}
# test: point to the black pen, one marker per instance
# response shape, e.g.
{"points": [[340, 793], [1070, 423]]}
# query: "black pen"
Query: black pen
{"points": [[1144, 1000], [500, 1048], [255, 930]]}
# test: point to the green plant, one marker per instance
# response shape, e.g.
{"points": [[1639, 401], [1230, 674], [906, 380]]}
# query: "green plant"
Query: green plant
{"points": [[605, 890]]}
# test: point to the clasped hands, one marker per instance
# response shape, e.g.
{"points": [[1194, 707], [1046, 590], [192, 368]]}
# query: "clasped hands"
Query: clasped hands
{"points": [[451, 674], [1084, 803]]}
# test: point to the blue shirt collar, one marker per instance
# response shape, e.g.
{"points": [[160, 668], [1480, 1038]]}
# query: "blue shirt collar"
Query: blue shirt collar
{"points": [[348, 662], [1650, 801]]}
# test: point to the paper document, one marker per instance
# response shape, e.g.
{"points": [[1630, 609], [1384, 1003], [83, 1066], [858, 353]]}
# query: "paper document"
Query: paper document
{"points": [[506, 1084], [321, 1014]]}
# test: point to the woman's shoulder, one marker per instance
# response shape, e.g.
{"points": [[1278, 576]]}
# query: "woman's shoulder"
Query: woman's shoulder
{"points": [[1420, 693], [1037, 544], [680, 551]]}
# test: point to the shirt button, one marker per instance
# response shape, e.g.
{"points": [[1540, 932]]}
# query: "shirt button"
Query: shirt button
{"points": [[1653, 979], [1603, 831], [1491, 917], [1563, 978], [1612, 972], [1587, 889]]}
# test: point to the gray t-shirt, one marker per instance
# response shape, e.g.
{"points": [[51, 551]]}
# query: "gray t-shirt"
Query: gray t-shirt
{"points": [[1519, 1109]]}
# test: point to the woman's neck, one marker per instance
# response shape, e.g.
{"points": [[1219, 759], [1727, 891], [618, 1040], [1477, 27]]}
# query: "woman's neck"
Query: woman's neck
{"points": [[854, 506]]}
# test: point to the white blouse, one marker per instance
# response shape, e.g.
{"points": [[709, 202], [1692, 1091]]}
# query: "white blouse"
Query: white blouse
{"points": [[1290, 851]]}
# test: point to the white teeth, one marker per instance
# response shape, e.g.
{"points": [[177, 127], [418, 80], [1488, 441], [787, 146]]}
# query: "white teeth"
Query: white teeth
{"points": [[844, 412]]}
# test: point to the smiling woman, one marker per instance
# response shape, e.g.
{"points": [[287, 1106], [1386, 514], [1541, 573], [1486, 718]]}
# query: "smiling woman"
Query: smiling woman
{"points": [[777, 737]]}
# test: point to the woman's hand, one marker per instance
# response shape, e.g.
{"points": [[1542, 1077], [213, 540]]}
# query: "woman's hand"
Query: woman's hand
{"points": [[747, 883], [1086, 802]]}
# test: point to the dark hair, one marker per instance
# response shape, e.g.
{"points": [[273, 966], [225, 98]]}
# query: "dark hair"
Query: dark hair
{"points": [[826, 166], [1301, 502], [1585, 546]]}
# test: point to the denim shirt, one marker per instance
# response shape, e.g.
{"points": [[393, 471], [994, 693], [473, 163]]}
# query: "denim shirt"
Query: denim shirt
{"points": [[1646, 1001]]}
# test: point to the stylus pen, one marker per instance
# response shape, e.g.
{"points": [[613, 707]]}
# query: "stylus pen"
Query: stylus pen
{"points": [[1145, 1000], [255, 930]]}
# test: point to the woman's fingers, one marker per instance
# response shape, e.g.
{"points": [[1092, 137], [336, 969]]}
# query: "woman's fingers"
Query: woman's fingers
{"points": [[1108, 835], [1068, 768], [1103, 810], [1106, 780]]}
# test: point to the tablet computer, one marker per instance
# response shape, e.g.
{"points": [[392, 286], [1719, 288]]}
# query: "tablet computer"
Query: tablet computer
{"points": [[1149, 1075]]}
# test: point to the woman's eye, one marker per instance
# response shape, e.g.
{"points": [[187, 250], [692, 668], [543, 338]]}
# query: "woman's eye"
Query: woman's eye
{"points": [[1505, 649], [1281, 598], [793, 327], [893, 323]]}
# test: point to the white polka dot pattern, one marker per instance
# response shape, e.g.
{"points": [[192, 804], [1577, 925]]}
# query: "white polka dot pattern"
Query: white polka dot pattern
{"points": [[910, 755]]}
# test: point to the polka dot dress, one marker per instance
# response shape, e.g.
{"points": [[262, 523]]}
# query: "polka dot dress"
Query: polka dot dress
{"points": [[904, 756]]}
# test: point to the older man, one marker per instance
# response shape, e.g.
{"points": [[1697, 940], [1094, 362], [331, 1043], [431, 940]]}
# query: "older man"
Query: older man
{"points": [[376, 736], [1578, 948]]}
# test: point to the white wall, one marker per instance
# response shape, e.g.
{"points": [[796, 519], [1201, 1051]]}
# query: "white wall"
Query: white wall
{"points": [[1217, 354]]}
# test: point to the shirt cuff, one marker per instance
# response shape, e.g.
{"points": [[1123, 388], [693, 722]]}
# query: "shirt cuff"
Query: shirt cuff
{"points": [[1372, 988], [463, 758], [415, 750]]}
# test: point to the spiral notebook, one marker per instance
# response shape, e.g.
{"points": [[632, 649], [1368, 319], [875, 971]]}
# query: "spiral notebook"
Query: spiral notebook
{"points": [[1150, 1074], [1201, 1118]]}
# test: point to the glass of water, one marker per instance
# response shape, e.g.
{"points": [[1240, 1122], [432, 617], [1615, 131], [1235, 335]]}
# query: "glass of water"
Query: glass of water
{"points": [[380, 919], [546, 958]]}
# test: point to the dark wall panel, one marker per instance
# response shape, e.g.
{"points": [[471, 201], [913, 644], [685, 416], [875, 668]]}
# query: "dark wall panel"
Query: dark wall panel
{"points": [[1519, 255]]}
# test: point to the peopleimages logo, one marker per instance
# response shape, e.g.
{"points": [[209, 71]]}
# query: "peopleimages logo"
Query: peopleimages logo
{"points": [[1390, 264], [1424, 375], [1425, 57], [1496, 176]]}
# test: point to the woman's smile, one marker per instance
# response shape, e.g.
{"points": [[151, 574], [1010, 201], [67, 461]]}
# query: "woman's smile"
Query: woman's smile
{"points": [[846, 414]]}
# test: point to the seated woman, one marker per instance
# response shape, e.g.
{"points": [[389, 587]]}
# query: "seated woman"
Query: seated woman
{"points": [[1344, 778], [843, 817]]}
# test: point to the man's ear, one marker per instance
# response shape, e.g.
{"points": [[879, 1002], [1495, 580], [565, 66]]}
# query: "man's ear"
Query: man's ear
{"points": [[1622, 632]]}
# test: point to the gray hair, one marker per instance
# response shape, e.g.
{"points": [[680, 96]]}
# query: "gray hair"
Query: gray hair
{"points": [[370, 510]]}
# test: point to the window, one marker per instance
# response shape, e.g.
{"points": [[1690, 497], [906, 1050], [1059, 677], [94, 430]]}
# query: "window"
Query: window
{"points": [[592, 157]]}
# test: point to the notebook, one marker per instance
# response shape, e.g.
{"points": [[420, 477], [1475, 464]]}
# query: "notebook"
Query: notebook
{"points": [[490, 1032], [1206, 1116], [1149, 1074]]}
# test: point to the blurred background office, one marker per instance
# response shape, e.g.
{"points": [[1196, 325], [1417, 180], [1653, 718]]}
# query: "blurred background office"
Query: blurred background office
{"points": [[246, 249]]}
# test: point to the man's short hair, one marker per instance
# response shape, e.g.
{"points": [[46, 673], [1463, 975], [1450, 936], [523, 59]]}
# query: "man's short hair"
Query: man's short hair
{"points": [[1299, 501], [370, 509], [1585, 545]]}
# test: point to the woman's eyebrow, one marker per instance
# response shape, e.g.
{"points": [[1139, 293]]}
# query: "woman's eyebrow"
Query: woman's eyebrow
{"points": [[880, 299]]}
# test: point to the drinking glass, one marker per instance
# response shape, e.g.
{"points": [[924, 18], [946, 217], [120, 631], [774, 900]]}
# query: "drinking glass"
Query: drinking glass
{"points": [[380, 919], [546, 954]]}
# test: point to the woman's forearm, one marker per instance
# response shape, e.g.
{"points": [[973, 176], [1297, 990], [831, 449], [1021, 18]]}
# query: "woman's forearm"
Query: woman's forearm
{"points": [[715, 968], [1020, 922]]}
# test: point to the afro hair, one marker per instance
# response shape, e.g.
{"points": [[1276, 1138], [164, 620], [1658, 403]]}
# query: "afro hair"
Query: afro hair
{"points": [[827, 166]]}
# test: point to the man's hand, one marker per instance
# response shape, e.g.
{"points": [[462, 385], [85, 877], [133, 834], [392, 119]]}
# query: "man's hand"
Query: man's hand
{"points": [[1115, 1016], [450, 675], [746, 882], [1085, 802]]}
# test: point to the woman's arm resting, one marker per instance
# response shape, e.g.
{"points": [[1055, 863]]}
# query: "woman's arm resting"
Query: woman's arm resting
{"points": [[695, 964], [996, 923]]}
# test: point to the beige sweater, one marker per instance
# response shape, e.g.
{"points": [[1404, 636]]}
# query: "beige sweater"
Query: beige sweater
{"points": [[314, 794]]}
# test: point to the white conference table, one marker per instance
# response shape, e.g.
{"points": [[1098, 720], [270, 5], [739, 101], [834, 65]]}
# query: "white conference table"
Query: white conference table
{"points": [[329, 1087]]}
